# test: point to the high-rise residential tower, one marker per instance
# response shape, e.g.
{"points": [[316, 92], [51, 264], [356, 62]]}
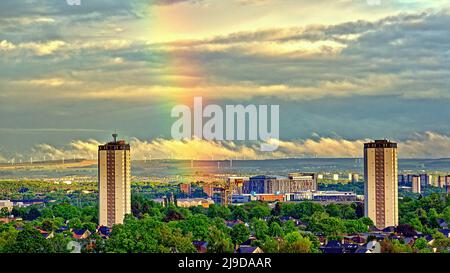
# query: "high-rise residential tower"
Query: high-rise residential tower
{"points": [[416, 184], [114, 182], [381, 188]]}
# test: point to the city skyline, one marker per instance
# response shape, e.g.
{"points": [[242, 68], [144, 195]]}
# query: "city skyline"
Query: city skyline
{"points": [[326, 63]]}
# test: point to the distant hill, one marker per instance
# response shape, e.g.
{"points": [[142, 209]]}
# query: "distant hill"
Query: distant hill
{"points": [[188, 167]]}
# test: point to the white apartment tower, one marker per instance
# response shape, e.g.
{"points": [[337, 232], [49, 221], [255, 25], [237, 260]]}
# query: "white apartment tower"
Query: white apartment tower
{"points": [[114, 182], [416, 184], [381, 186]]}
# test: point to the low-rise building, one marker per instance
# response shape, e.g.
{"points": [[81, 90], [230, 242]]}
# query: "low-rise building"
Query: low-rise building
{"points": [[242, 198], [80, 233], [334, 196], [270, 197], [201, 246], [299, 196], [302, 182], [189, 202], [249, 249], [237, 183], [267, 184], [6, 204]]}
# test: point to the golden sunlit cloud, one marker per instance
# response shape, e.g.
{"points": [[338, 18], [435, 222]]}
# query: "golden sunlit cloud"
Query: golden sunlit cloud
{"points": [[425, 145]]}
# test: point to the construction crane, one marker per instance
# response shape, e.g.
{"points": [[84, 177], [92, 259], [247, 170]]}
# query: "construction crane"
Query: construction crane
{"points": [[224, 189]]}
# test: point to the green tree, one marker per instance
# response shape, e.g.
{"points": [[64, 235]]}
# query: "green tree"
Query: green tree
{"points": [[355, 226], [420, 244], [239, 213], [8, 237], [198, 226], [295, 243], [239, 234], [4, 212], [271, 245], [29, 240], [219, 211], [259, 228], [259, 211], [275, 230], [218, 241], [394, 246], [147, 235], [289, 226]]}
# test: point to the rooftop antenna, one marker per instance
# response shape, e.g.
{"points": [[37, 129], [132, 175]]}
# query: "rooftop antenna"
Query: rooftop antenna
{"points": [[115, 135]]}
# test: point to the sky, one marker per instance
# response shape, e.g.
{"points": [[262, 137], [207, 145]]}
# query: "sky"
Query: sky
{"points": [[342, 71]]}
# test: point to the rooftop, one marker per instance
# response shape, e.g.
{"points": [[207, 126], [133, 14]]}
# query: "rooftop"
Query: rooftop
{"points": [[384, 143]]}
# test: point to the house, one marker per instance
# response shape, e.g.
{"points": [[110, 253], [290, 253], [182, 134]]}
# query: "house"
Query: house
{"points": [[284, 219], [249, 241], [201, 246], [430, 239], [371, 247], [45, 234], [374, 229], [395, 237], [446, 232], [322, 239], [390, 229], [442, 223], [80, 233], [377, 235], [358, 240], [104, 232], [409, 240], [9, 219], [62, 229], [350, 248], [333, 246], [354, 239], [232, 223], [248, 249]]}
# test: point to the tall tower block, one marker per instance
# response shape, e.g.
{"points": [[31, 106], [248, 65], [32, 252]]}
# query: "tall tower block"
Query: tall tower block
{"points": [[381, 183], [114, 182]]}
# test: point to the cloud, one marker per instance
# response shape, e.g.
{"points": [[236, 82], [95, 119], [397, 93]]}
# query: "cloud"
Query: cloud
{"points": [[63, 65], [6, 46], [76, 149], [299, 63], [424, 145]]}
